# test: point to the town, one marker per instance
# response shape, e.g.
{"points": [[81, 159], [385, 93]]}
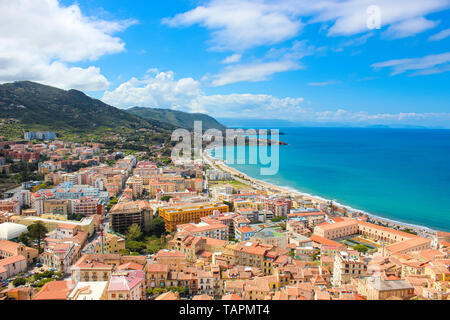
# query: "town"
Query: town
{"points": [[86, 223]]}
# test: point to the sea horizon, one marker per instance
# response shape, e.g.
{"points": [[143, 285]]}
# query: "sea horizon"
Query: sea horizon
{"points": [[399, 174]]}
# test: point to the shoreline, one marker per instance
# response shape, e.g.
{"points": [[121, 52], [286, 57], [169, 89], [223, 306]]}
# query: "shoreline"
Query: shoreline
{"points": [[255, 183]]}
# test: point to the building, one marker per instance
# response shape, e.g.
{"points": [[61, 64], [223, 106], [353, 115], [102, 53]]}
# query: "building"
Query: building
{"points": [[279, 208], [12, 266], [376, 288], [108, 243], [347, 265], [136, 184], [9, 231], [11, 249], [157, 274], [89, 290], [40, 135], [338, 229], [188, 213], [271, 237], [56, 209], [244, 233], [413, 244], [10, 206], [128, 285], [204, 229], [86, 206], [86, 224], [55, 290], [175, 260], [124, 214]]}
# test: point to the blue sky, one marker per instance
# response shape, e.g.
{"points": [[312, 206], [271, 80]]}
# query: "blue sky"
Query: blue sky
{"points": [[282, 59]]}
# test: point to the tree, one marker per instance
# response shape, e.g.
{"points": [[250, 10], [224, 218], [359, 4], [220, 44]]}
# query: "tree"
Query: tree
{"points": [[135, 246], [37, 232], [25, 239], [134, 233], [124, 252], [153, 244], [230, 205], [158, 227], [19, 282], [361, 248], [166, 198]]}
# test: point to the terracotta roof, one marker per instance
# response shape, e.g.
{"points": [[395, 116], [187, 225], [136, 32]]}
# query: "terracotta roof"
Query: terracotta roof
{"points": [[168, 296], [202, 297], [8, 246], [157, 267], [407, 244], [54, 290], [10, 260], [231, 297], [325, 241], [130, 266]]}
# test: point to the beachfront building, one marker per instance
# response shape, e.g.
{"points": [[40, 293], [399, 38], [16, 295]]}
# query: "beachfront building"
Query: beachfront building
{"points": [[338, 229], [397, 241]]}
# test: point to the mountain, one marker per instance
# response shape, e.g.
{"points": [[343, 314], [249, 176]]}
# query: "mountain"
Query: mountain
{"points": [[39, 106], [177, 118]]}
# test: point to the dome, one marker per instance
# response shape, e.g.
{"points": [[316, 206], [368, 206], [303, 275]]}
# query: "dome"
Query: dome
{"points": [[10, 230]]}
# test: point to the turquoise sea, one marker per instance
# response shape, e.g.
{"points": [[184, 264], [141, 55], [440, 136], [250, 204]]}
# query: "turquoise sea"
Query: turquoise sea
{"points": [[399, 174]]}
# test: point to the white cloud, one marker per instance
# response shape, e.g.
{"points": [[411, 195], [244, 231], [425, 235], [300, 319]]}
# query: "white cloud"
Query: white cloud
{"points": [[162, 90], [239, 25], [440, 35], [253, 72], [41, 39], [435, 63], [275, 61], [410, 27], [232, 59], [159, 91]]}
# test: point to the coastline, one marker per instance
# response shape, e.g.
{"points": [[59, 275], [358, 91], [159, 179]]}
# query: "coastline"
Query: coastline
{"points": [[260, 184]]}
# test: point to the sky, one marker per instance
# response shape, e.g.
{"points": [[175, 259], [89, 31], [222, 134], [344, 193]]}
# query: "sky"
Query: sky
{"points": [[356, 62]]}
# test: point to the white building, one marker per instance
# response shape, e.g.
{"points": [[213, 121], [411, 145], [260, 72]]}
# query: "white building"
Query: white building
{"points": [[9, 231]]}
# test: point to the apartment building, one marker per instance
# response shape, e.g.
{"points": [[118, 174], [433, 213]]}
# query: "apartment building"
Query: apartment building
{"points": [[347, 265], [213, 230], [188, 213], [124, 214], [86, 206]]}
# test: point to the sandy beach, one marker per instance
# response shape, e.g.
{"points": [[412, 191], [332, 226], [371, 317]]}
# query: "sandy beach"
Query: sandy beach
{"points": [[262, 185]]}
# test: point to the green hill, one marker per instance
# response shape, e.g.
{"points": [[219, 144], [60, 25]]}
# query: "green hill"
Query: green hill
{"points": [[177, 118], [37, 106]]}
